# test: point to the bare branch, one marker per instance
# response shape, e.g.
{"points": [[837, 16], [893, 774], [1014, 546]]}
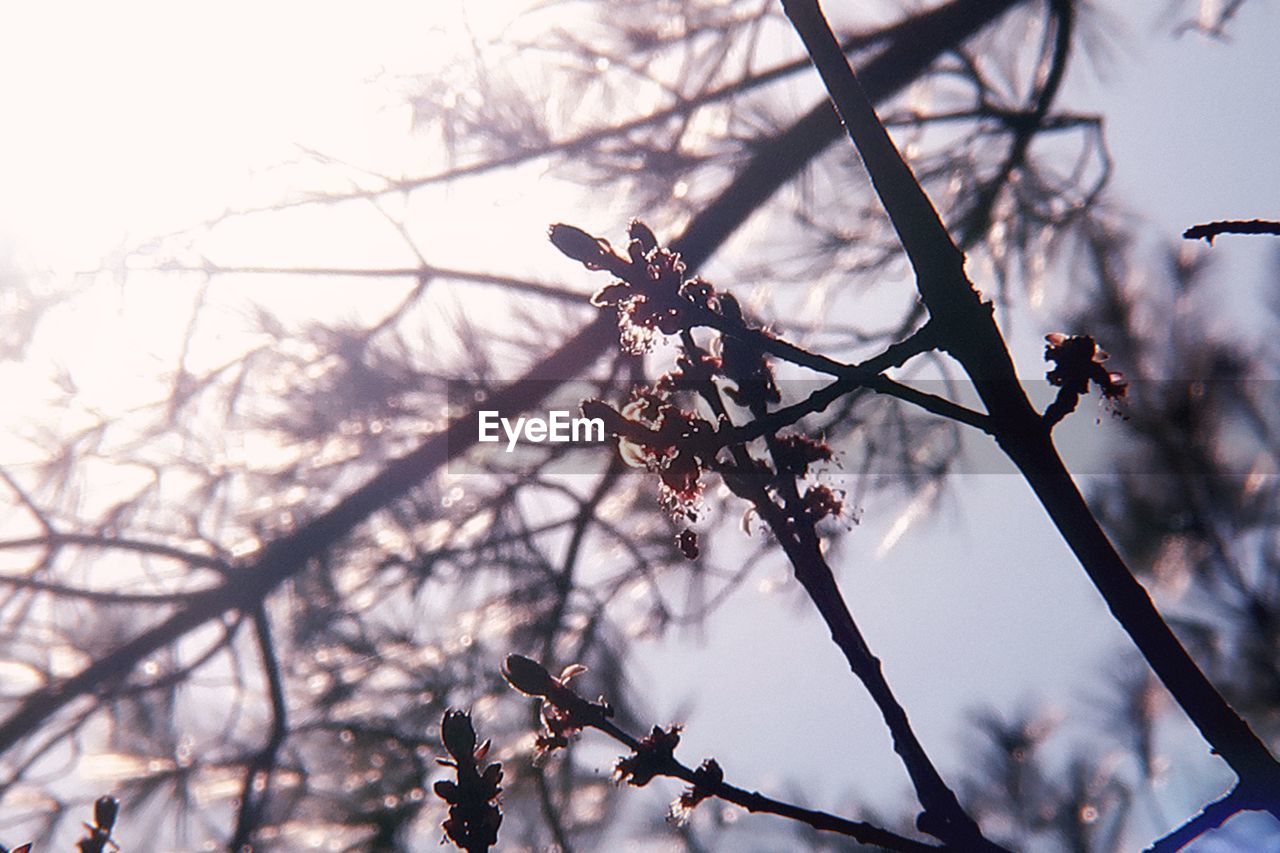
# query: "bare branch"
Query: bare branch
{"points": [[970, 334], [1209, 230], [522, 673], [55, 540], [257, 775]]}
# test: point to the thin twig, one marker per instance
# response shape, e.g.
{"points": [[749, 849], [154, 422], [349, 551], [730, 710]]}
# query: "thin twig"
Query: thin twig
{"points": [[32, 507], [591, 715], [55, 540], [421, 273], [94, 595], [564, 586], [257, 775], [1209, 230], [792, 526]]}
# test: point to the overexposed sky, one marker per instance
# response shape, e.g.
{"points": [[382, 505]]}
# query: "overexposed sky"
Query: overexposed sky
{"points": [[134, 118]]}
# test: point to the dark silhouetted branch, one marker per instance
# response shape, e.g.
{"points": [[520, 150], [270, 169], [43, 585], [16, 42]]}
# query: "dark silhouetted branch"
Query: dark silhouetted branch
{"points": [[1209, 230], [257, 775], [969, 333], [560, 702], [793, 526]]}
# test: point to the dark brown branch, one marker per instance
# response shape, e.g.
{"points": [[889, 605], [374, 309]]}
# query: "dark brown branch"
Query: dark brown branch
{"points": [[1015, 119], [1209, 230], [895, 355], [864, 375], [943, 816], [917, 43], [928, 244], [596, 255], [793, 527], [755, 802]]}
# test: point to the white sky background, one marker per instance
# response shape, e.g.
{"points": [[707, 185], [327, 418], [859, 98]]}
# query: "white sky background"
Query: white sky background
{"points": [[138, 117], [130, 119]]}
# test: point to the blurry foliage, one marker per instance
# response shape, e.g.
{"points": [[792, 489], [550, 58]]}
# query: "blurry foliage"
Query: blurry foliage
{"points": [[316, 717]]}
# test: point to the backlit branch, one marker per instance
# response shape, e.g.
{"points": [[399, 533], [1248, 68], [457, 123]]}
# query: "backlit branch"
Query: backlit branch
{"points": [[653, 756], [970, 334]]}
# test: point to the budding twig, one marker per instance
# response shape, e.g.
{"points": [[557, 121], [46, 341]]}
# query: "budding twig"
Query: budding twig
{"points": [[653, 756]]}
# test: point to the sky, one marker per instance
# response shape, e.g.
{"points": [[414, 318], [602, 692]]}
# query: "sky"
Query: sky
{"points": [[132, 119]]}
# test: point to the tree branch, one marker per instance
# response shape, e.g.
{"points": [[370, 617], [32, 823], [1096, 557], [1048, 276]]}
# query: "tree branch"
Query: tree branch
{"points": [[971, 335], [419, 273], [1209, 230], [56, 539], [257, 775], [531, 678], [793, 527]]}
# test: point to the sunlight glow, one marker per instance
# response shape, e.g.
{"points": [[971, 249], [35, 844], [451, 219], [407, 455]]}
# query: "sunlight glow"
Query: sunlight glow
{"points": [[143, 118], [140, 117]]}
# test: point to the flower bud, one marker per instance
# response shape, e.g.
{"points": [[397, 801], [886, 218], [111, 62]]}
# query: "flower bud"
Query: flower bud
{"points": [[643, 235], [577, 244], [105, 810], [528, 676], [458, 735]]}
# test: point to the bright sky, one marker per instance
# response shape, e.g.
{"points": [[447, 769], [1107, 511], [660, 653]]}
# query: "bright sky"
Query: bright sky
{"points": [[136, 117]]}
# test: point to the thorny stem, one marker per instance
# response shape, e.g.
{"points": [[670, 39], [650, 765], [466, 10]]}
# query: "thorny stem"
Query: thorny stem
{"points": [[971, 335]]}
